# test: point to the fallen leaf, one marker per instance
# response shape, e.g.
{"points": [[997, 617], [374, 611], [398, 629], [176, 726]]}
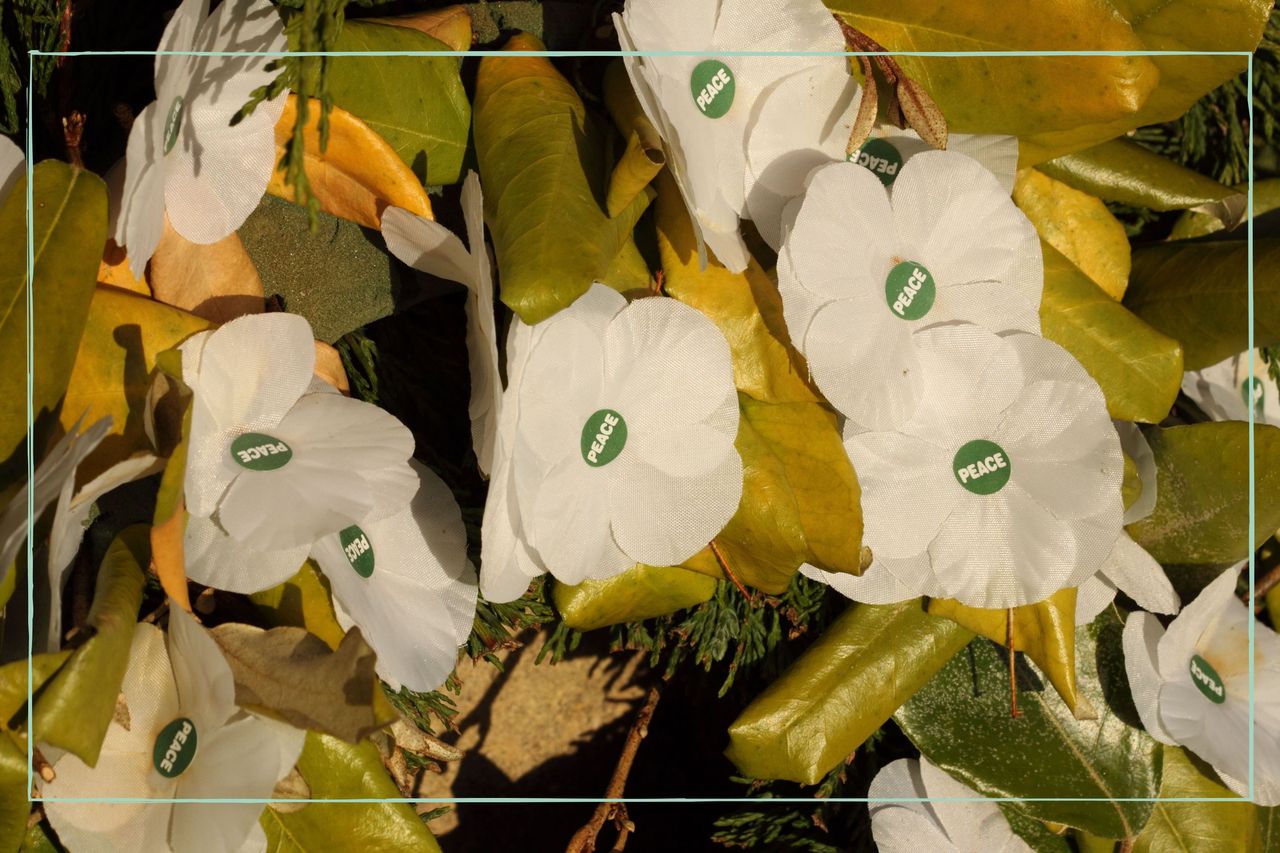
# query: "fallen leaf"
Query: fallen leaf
{"points": [[216, 281], [451, 25]]}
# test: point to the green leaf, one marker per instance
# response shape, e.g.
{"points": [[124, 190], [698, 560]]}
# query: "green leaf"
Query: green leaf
{"points": [[416, 103], [641, 592], [1266, 198], [14, 794], [1138, 368], [339, 275], [1202, 827], [336, 769], [1124, 171], [542, 157], [961, 722], [1059, 104], [77, 705], [1198, 292], [1039, 837], [303, 601], [38, 841], [291, 675], [13, 682], [1202, 493], [844, 687], [69, 233]]}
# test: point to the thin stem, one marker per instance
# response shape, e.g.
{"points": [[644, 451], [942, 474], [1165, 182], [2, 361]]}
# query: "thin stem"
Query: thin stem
{"points": [[1013, 680], [724, 566]]}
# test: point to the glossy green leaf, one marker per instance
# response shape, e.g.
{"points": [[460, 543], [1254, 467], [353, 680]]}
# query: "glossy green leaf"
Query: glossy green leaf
{"points": [[1039, 837], [1197, 292], [69, 232], [1202, 493], [14, 807], [1122, 170], [37, 841], [1059, 104], [641, 592], [1138, 368], [77, 704], [960, 721], [542, 157], [1202, 827], [416, 103], [291, 675], [13, 682], [1266, 198], [112, 375], [336, 769], [844, 687], [303, 601]]}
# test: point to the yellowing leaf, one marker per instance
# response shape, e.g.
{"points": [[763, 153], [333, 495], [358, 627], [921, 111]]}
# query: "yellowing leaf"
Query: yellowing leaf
{"points": [[1266, 198], [450, 25], [1079, 226], [1045, 631], [216, 281], [304, 602], [114, 270], [1138, 368], [1059, 104], [1178, 822], [641, 592], [357, 176], [543, 164], [643, 157]]}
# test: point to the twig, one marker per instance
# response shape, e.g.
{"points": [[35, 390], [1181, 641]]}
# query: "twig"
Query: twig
{"points": [[1013, 680], [724, 566], [584, 840]]}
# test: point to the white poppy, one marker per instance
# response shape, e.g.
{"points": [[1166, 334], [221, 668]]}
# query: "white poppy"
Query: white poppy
{"points": [[621, 450], [183, 737], [274, 464], [13, 166], [430, 247], [184, 158], [864, 269], [954, 820], [406, 582], [805, 121], [1190, 684], [1129, 568], [1002, 488], [704, 105], [1225, 392]]}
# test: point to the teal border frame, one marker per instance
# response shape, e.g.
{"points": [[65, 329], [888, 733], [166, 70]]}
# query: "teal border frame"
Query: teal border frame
{"points": [[29, 150]]}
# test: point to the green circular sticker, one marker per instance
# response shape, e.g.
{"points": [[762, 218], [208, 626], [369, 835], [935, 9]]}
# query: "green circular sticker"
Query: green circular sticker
{"points": [[173, 124], [603, 437], [356, 547], [175, 748], [259, 452], [982, 467], [880, 156], [909, 290], [1251, 391], [712, 85], [1207, 680]]}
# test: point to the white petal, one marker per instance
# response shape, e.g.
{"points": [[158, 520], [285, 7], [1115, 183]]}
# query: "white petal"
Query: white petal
{"points": [[506, 562], [877, 585], [1142, 634], [427, 246], [1135, 446], [781, 25], [970, 376], [1196, 619], [418, 604], [215, 559], [1215, 390], [1092, 597], [179, 35], [140, 219], [998, 154], [206, 689], [907, 491], [13, 167], [561, 386], [482, 332], [1139, 576], [569, 523]]}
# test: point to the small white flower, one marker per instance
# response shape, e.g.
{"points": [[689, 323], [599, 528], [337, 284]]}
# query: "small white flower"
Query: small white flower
{"points": [[865, 269], [1225, 392], [704, 105], [184, 738], [804, 122], [1001, 489], [430, 247], [1191, 685], [274, 463], [619, 449], [945, 824], [13, 166], [184, 158], [406, 581]]}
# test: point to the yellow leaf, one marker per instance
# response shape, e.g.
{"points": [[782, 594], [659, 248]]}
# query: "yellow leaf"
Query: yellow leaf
{"points": [[643, 157], [303, 601], [114, 270], [357, 176], [641, 592], [329, 367], [451, 25], [1045, 631], [1079, 226], [216, 281]]}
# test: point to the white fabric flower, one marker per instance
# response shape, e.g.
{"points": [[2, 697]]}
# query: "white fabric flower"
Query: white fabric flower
{"points": [[1129, 568], [184, 738], [1224, 391], [13, 166], [620, 447], [804, 122], [430, 247], [864, 269], [1001, 489], [1191, 685], [704, 105], [946, 824], [184, 157], [273, 464], [406, 582]]}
